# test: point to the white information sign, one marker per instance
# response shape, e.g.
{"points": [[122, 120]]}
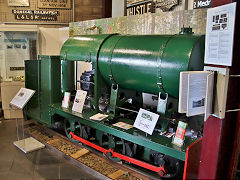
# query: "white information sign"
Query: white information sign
{"points": [[146, 121], [22, 97], [79, 101], [220, 35], [195, 87]]}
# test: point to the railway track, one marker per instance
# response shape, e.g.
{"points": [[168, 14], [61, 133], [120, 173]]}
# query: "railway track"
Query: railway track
{"points": [[83, 157]]}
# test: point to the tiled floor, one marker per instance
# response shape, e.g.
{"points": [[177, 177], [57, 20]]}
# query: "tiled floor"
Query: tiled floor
{"points": [[41, 164]]}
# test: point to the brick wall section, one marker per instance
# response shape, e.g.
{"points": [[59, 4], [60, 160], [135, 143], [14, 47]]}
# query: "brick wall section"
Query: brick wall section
{"points": [[88, 9]]}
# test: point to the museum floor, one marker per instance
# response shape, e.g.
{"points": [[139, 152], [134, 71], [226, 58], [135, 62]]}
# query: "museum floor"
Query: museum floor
{"points": [[41, 164]]}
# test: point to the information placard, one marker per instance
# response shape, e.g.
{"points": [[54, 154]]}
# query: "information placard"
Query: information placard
{"points": [[98, 117], [146, 121], [22, 97], [220, 35], [195, 87], [79, 101]]}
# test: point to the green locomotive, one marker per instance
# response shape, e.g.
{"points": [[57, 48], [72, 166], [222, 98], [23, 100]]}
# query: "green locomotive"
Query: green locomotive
{"points": [[125, 69]]}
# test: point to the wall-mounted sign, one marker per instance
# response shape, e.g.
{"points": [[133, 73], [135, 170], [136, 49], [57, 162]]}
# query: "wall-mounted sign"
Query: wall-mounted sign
{"points": [[17, 68], [135, 7], [18, 2], [197, 4], [35, 15], [165, 5], [220, 35], [64, 4], [143, 7]]}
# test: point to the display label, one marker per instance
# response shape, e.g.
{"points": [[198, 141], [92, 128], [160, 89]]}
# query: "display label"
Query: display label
{"points": [[22, 97], [179, 137], [146, 121], [98, 117], [123, 125], [63, 4], [79, 101]]}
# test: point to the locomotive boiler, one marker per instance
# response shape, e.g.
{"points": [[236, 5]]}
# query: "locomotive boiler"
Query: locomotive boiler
{"points": [[129, 72]]}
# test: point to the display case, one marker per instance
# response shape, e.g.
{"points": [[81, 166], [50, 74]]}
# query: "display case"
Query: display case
{"points": [[17, 43]]}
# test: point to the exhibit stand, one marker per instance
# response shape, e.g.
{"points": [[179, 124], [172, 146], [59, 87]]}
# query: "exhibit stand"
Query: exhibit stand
{"points": [[19, 101]]}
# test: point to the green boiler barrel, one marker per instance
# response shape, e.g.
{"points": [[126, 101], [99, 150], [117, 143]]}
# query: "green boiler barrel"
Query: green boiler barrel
{"points": [[145, 63], [150, 63]]}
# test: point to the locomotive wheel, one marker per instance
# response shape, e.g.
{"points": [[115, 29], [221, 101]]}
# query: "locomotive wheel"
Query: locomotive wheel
{"points": [[111, 141], [72, 126]]}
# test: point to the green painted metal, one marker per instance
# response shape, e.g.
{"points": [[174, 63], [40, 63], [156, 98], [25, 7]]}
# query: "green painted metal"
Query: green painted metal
{"points": [[145, 63], [155, 142], [148, 63], [50, 85], [67, 76], [113, 98], [142, 63], [83, 48], [32, 81], [79, 48], [45, 78]]}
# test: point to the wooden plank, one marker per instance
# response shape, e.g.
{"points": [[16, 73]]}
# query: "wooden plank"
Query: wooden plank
{"points": [[221, 95], [53, 141], [79, 153], [116, 174], [130, 173]]}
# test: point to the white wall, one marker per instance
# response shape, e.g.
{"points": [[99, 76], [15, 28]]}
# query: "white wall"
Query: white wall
{"points": [[190, 4], [51, 40], [63, 35], [118, 8]]}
